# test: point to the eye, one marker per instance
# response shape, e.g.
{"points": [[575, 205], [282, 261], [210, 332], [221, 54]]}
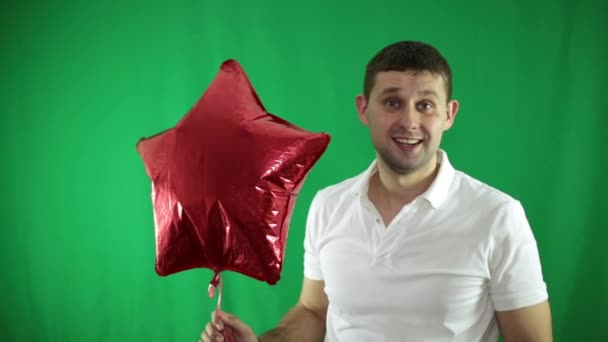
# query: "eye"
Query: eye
{"points": [[425, 106], [392, 103]]}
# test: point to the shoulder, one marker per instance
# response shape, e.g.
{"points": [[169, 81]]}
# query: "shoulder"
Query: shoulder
{"points": [[339, 197], [337, 193], [497, 211], [478, 194], [501, 213], [329, 204], [339, 190]]}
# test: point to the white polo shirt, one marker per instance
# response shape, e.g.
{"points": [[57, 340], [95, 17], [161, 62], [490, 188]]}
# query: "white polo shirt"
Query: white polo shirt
{"points": [[438, 272]]}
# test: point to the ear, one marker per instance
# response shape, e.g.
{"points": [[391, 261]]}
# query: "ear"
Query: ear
{"points": [[361, 104], [451, 111]]}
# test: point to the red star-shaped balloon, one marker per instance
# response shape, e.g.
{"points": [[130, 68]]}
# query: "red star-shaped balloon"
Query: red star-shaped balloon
{"points": [[225, 181]]}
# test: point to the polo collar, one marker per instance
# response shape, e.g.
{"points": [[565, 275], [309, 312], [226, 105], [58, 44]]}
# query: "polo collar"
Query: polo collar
{"points": [[437, 192]]}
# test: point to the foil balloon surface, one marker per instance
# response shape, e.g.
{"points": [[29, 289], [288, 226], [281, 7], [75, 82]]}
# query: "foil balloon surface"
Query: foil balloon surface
{"points": [[225, 180]]}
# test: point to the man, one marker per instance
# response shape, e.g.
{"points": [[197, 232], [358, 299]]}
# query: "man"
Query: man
{"points": [[412, 249]]}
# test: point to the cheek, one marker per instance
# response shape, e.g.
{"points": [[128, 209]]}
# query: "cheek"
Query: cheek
{"points": [[380, 124], [433, 128]]}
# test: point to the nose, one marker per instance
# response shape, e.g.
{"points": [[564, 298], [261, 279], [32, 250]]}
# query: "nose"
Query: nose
{"points": [[409, 118]]}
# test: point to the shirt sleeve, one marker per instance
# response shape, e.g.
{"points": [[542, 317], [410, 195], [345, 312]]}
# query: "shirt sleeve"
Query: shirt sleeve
{"points": [[515, 268], [312, 265]]}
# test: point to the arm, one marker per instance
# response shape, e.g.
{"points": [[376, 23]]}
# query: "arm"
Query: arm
{"points": [[517, 289], [306, 320], [529, 324]]}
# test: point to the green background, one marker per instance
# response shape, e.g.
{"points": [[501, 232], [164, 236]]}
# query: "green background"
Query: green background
{"points": [[83, 81]]}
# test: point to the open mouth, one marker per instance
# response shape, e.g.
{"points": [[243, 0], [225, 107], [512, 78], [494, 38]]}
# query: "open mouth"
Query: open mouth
{"points": [[407, 142]]}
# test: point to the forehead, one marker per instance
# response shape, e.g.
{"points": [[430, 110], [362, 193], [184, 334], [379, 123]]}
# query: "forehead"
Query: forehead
{"points": [[409, 82]]}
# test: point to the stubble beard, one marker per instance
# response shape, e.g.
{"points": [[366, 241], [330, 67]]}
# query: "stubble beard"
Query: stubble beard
{"points": [[403, 165]]}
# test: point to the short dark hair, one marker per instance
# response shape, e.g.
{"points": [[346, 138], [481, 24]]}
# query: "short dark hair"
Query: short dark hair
{"points": [[406, 56]]}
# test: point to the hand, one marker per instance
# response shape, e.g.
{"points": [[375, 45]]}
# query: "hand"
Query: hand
{"points": [[214, 330]]}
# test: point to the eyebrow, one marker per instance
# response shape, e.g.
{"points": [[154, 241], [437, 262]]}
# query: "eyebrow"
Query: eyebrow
{"points": [[425, 92], [390, 90], [428, 92]]}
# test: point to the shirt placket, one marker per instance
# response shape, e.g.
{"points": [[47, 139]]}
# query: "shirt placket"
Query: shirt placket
{"points": [[395, 233]]}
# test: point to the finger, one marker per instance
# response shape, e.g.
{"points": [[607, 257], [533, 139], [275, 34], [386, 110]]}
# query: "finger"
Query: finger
{"points": [[212, 331], [235, 323], [215, 320], [206, 337]]}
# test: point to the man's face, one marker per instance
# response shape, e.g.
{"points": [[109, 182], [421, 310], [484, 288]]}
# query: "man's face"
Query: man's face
{"points": [[407, 113]]}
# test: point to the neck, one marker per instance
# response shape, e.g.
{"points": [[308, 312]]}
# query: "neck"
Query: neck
{"points": [[401, 189]]}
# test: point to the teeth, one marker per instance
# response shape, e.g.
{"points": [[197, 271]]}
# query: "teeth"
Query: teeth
{"points": [[407, 141]]}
